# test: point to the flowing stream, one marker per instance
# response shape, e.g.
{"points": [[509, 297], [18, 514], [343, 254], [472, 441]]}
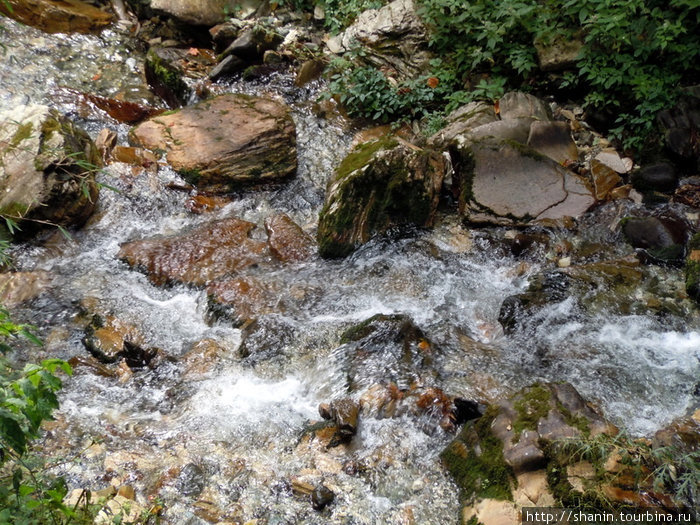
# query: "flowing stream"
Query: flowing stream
{"points": [[233, 429]]}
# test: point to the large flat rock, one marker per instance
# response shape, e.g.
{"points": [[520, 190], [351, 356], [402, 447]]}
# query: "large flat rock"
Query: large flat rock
{"points": [[224, 141], [507, 183]]}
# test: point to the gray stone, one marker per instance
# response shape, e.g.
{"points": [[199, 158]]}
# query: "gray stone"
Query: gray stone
{"points": [[553, 139], [523, 105], [505, 183], [204, 12], [394, 36], [559, 54]]}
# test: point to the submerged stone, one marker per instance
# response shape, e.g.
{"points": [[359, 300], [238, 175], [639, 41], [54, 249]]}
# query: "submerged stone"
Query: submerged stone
{"points": [[206, 253]]}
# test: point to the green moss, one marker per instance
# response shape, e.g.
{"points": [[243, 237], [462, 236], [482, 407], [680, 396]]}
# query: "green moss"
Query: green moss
{"points": [[166, 79], [692, 279], [577, 421], [190, 175], [532, 405], [15, 209], [23, 132], [360, 156], [484, 474]]}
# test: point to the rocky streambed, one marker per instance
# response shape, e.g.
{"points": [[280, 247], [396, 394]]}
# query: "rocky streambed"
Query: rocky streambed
{"points": [[275, 315]]}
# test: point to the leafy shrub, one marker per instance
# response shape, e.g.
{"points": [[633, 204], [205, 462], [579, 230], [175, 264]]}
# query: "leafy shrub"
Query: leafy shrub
{"points": [[27, 398], [636, 53]]}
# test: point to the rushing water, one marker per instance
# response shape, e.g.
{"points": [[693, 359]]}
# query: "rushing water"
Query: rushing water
{"points": [[236, 425]]}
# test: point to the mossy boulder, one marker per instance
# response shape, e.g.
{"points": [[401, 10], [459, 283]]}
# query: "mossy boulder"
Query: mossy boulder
{"points": [[225, 141], [379, 185], [47, 168], [659, 240], [165, 76]]}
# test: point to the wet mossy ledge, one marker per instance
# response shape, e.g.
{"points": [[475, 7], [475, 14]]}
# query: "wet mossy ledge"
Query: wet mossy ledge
{"points": [[547, 447], [378, 185]]}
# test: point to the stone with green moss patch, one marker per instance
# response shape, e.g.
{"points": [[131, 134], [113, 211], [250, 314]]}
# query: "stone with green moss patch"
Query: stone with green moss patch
{"points": [[378, 185], [165, 77]]}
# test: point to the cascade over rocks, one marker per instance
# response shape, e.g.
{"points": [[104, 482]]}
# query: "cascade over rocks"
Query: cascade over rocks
{"points": [[47, 167], [385, 349], [378, 185], [224, 141], [395, 38], [206, 253]]}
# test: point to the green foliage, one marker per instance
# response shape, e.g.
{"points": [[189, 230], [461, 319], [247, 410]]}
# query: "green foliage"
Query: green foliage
{"points": [[670, 469], [635, 55], [27, 398]]}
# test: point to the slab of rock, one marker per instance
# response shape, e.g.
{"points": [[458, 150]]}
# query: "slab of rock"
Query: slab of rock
{"points": [[198, 257], [559, 54], [394, 36], [379, 185], [42, 167], [553, 140], [287, 241], [605, 179], [502, 182], [224, 141], [57, 16]]}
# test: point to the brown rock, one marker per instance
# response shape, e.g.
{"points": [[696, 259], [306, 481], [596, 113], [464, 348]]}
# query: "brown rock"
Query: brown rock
{"points": [[605, 179], [198, 257], [205, 203], [553, 139], [309, 71], [246, 297], [135, 156], [57, 16], [287, 241], [203, 356], [225, 140]]}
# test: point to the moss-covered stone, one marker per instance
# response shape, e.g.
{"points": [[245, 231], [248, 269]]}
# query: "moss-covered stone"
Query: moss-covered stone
{"points": [[378, 185], [475, 459], [166, 78], [532, 404], [692, 268]]}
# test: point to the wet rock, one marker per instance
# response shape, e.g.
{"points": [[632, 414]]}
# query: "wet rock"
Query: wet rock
{"points": [[385, 349], [659, 239], [517, 105], [203, 357], [553, 140], [90, 363], [191, 480], [225, 140], [321, 497], [344, 413], [105, 142], [688, 192], [57, 16], [206, 253], [394, 36], [605, 179], [612, 160], [660, 177], [309, 71], [19, 287], [544, 289], [379, 185], [228, 66], [267, 337], [558, 54], [134, 156], [165, 75], [501, 182], [110, 340], [43, 173], [526, 242], [199, 204], [252, 43], [225, 33], [240, 299], [287, 241]]}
